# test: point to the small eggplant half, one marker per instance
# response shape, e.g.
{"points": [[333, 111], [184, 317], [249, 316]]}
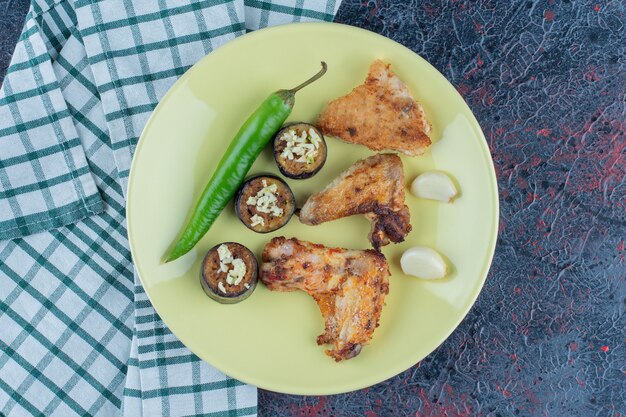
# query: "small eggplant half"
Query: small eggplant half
{"points": [[265, 203], [299, 150], [224, 286]]}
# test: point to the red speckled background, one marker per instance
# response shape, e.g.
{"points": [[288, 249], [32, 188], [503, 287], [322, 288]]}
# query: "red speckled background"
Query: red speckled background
{"points": [[547, 336]]}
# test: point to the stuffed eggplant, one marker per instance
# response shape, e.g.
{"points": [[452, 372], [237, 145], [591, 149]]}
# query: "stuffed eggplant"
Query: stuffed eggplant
{"points": [[265, 203], [229, 273], [299, 150]]}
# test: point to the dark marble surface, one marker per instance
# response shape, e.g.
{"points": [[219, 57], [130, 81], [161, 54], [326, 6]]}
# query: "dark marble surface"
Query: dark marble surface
{"points": [[547, 82], [12, 13]]}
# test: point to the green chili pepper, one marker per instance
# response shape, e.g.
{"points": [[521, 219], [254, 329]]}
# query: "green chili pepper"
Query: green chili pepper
{"points": [[246, 146]]}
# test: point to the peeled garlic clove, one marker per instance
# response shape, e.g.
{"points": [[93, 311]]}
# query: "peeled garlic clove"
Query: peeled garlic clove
{"points": [[423, 262], [434, 185]]}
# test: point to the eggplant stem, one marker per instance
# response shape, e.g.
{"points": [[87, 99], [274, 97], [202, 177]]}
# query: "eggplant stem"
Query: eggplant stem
{"points": [[310, 80]]}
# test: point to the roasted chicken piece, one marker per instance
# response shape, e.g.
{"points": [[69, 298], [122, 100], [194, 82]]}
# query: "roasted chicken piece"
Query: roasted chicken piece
{"points": [[381, 114], [349, 287], [374, 187]]}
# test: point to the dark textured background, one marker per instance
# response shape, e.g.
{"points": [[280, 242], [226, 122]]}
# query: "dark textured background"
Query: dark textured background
{"points": [[547, 82]]}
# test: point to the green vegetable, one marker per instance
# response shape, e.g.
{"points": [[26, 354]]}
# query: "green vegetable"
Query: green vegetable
{"points": [[245, 147]]}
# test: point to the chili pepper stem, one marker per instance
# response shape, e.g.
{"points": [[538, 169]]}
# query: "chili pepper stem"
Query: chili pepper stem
{"points": [[310, 80]]}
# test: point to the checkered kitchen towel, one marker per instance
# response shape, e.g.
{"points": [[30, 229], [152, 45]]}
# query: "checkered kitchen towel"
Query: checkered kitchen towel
{"points": [[78, 335]]}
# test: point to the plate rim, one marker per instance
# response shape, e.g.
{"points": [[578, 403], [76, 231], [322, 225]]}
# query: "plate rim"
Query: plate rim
{"points": [[400, 365]]}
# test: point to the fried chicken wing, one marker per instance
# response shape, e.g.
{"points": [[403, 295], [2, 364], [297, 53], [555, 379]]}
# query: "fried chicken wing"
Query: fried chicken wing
{"points": [[381, 114], [374, 187], [349, 287]]}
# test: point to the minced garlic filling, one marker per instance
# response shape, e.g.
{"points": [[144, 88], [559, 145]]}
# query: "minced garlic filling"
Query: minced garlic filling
{"points": [[256, 220], [301, 148], [235, 274], [266, 202]]}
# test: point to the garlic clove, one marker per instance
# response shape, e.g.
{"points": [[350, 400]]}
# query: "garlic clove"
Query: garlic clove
{"points": [[434, 185], [423, 262]]}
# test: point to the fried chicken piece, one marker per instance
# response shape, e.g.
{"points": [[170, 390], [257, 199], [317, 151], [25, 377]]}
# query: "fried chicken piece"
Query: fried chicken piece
{"points": [[349, 287], [374, 187], [381, 114]]}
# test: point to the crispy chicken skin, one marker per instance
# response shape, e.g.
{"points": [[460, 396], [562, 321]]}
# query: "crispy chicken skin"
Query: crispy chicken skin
{"points": [[374, 187], [349, 287], [381, 114]]}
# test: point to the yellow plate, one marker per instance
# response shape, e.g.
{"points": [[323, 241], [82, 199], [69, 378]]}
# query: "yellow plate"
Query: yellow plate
{"points": [[269, 339]]}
